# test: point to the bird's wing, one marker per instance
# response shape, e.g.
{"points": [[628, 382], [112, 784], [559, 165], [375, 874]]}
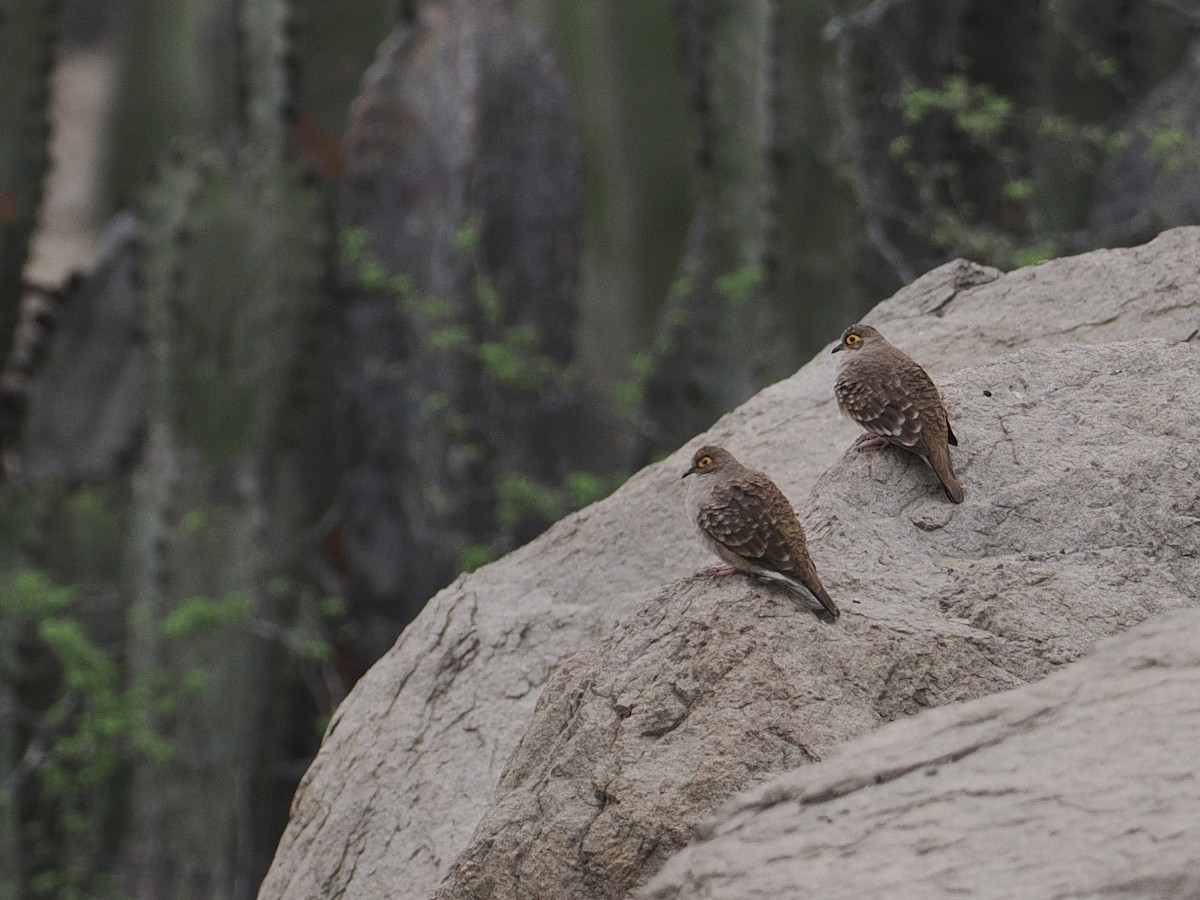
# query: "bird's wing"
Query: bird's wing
{"points": [[752, 518], [891, 401]]}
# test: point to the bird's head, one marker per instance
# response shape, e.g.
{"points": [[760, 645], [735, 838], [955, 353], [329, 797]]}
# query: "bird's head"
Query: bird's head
{"points": [[858, 336], [709, 459]]}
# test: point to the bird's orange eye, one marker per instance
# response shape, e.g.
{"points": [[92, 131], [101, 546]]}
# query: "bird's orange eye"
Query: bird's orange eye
{"points": [[853, 340], [704, 462]]}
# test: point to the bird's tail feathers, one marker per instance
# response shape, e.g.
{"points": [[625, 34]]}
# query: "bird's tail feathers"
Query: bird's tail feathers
{"points": [[939, 460], [813, 583]]}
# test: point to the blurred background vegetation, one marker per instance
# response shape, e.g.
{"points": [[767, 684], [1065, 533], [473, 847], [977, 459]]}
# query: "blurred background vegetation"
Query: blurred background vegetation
{"points": [[309, 305]]}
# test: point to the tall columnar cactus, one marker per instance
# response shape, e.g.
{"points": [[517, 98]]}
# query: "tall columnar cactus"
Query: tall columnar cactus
{"points": [[27, 30], [464, 187], [26, 46], [232, 264]]}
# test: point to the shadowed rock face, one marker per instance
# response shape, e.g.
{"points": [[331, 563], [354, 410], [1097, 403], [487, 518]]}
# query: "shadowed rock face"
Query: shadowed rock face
{"points": [[412, 758], [1083, 785], [1082, 467]]}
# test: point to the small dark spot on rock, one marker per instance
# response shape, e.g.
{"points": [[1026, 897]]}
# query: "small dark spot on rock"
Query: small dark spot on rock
{"points": [[928, 524], [987, 393]]}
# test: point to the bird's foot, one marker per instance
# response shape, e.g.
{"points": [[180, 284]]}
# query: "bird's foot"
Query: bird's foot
{"points": [[726, 570], [868, 441]]}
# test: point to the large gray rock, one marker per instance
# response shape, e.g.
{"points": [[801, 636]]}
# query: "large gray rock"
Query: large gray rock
{"points": [[412, 757], [1082, 471], [1083, 785]]}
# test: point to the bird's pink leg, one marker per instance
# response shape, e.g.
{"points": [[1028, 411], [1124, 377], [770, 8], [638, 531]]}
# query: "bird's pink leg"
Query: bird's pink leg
{"points": [[868, 441], [726, 570]]}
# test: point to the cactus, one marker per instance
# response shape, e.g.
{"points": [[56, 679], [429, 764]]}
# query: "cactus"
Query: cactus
{"points": [[462, 204], [232, 265], [265, 72], [27, 31]]}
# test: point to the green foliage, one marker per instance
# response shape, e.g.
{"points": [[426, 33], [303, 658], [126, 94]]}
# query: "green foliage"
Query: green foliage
{"points": [[194, 521], [333, 607], [1014, 171], [433, 309], [1031, 256], [976, 109], [641, 364], [740, 287], [86, 729], [628, 394], [1019, 189], [513, 359], [452, 337], [900, 147], [474, 556], [201, 613], [520, 498], [490, 303], [512, 362], [1173, 147], [587, 487], [312, 648], [467, 236], [31, 595], [354, 245]]}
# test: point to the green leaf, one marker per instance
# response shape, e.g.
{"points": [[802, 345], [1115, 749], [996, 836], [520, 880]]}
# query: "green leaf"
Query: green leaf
{"points": [[450, 338], [32, 595], [333, 607], [741, 286], [201, 613], [520, 499], [586, 487], [473, 557], [467, 235]]}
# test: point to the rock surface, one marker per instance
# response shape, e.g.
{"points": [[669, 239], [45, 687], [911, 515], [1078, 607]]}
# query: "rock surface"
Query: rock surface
{"points": [[412, 757], [1083, 785], [1082, 516]]}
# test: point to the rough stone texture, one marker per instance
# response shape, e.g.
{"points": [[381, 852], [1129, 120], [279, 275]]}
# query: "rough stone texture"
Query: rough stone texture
{"points": [[413, 755], [1082, 516], [1083, 785]]}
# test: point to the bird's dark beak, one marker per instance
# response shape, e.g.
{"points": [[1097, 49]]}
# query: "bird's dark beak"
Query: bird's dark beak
{"points": [[692, 471], [836, 349]]}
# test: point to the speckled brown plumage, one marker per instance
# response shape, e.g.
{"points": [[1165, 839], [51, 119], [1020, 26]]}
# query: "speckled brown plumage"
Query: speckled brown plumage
{"points": [[894, 399], [748, 522]]}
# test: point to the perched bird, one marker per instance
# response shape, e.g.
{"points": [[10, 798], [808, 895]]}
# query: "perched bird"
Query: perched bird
{"points": [[896, 401], [748, 522]]}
